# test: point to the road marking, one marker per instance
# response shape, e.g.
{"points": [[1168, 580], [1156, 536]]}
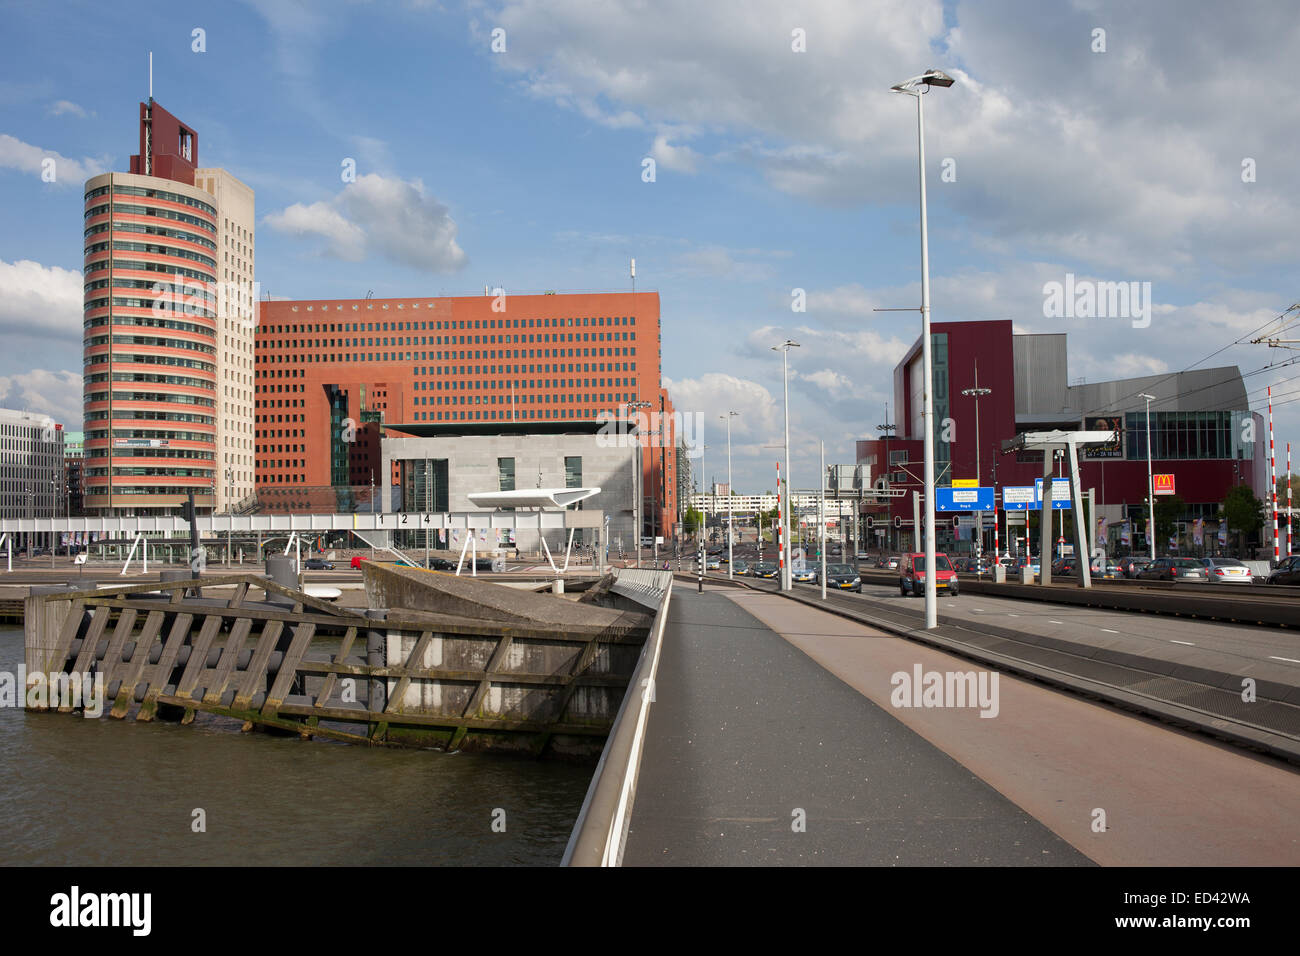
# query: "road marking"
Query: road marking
{"points": [[1289, 660], [1187, 643], [1109, 631], [1054, 622]]}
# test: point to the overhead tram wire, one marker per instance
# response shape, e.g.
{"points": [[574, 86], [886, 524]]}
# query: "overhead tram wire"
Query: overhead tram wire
{"points": [[1123, 400]]}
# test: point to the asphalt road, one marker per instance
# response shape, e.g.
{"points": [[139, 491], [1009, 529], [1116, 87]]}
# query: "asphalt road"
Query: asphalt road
{"points": [[1271, 653], [1168, 798], [749, 737]]}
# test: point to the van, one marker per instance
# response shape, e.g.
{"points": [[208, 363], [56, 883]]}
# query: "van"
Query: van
{"points": [[911, 575]]}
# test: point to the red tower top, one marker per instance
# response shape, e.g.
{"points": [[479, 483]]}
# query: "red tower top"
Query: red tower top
{"points": [[168, 148]]}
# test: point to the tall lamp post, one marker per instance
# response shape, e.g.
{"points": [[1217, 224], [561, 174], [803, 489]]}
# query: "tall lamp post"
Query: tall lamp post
{"points": [[1151, 487], [730, 493], [918, 86], [784, 348], [636, 482]]}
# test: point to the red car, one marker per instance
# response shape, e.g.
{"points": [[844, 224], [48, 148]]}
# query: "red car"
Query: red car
{"points": [[911, 575], [356, 561]]}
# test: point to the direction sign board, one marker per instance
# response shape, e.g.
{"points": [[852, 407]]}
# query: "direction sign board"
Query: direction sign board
{"points": [[965, 482], [1060, 494], [1018, 497], [963, 499]]}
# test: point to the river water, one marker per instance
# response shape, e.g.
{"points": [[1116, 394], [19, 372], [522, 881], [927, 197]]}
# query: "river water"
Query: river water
{"points": [[96, 792]]}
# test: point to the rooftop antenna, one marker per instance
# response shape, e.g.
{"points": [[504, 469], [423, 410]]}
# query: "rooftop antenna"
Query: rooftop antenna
{"points": [[151, 75], [633, 275]]}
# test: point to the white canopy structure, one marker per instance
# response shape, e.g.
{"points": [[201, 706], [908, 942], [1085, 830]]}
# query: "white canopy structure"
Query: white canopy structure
{"points": [[532, 497]]}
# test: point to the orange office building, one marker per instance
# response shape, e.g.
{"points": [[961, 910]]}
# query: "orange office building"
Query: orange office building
{"points": [[333, 375]]}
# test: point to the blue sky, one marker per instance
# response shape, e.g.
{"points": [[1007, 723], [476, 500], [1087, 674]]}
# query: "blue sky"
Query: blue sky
{"points": [[776, 169]]}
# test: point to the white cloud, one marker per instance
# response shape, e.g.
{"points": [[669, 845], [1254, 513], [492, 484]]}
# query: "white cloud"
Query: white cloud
{"points": [[37, 300], [68, 107], [53, 393], [15, 154], [680, 159], [1079, 168], [380, 215]]}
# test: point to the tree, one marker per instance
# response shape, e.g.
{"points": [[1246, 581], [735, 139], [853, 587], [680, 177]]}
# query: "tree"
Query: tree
{"points": [[1243, 512], [1169, 509], [694, 520]]}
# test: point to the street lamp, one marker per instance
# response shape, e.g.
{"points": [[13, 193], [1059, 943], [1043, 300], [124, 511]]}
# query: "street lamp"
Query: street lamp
{"points": [[727, 418], [918, 86], [1151, 488], [636, 482], [784, 348]]}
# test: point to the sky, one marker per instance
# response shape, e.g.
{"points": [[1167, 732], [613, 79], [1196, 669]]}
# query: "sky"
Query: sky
{"points": [[506, 143]]}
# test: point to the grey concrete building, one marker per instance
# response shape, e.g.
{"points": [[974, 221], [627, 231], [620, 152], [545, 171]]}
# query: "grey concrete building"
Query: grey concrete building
{"points": [[440, 465]]}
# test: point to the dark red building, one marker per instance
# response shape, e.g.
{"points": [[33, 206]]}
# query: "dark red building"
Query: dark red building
{"points": [[1203, 432]]}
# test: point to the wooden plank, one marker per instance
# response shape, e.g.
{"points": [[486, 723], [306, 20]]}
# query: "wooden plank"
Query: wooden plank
{"points": [[113, 663], [498, 655], [256, 673], [327, 686], [131, 675], [459, 676], [293, 725], [93, 634], [87, 655], [579, 668], [241, 592], [443, 721], [226, 662], [71, 624], [302, 636], [404, 682], [198, 656], [162, 672]]}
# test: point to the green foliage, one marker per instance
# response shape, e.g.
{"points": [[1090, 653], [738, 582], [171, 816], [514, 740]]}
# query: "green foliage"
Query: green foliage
{"points": [[694, 520], [1242, 510], [1169, 509]]}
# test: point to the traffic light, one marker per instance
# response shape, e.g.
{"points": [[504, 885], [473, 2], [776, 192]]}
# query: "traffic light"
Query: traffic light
{"points": [[898, 521], [187, 511]]}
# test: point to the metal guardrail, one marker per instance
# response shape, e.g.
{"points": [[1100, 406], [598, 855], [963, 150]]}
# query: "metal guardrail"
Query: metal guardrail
{"points": [[643, 585], [600, 833]]}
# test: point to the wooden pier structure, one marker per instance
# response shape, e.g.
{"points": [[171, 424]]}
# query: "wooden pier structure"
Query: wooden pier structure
{"points": [[508, 671]]}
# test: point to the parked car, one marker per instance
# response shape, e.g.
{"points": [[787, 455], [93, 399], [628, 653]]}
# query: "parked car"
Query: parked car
{"points": [[318, 564], [843, 577], [911, 575], [1288, 572], [1174, 569], [1227, 571]]}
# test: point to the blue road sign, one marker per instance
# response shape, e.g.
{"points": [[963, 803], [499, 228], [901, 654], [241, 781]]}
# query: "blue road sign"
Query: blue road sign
{"points": [[1060, 494], [963, 499]]}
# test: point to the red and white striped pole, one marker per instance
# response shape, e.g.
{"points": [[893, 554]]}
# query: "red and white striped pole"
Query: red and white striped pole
{"points": [[997, 554], [780, 526], [1272, 470]]}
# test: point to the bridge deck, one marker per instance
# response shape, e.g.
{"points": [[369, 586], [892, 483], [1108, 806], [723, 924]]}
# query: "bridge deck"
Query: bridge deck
{"points": [[746, 729]]}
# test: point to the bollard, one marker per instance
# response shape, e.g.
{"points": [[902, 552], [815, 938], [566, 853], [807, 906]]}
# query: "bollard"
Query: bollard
{"points": [[376, 656]]}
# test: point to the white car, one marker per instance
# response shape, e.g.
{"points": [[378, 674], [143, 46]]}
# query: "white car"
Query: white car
{"points": [[1227, 571], [808, 575]]}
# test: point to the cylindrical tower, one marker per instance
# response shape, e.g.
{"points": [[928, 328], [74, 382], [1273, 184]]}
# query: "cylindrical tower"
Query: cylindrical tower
{"points": [[150, 344]]}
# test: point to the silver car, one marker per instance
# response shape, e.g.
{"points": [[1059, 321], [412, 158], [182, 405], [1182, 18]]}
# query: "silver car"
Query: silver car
{"points": [[1227, 571]]}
